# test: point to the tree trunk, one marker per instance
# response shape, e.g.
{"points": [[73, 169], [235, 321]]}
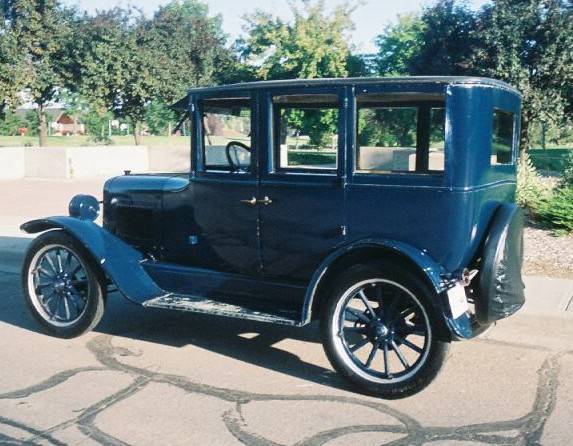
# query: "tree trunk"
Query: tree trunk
{"points": [[43, 127], [524, 135], [136, 133]]}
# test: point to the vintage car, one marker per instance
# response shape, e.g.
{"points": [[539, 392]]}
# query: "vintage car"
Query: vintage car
{"points": [[382, 207]]}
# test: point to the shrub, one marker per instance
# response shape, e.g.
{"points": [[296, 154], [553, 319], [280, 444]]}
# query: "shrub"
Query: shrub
{"points": [[567, 175], [530, 188], [556, 210]]}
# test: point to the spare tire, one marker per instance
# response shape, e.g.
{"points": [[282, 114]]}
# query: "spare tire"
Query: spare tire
{"points": [[501, 288]]}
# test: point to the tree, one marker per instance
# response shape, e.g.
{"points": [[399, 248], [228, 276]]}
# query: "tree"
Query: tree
{"points": [[314, 44], [188, 47], [10, 69], [438, 41], [529, 43], [40, 30], [116, 67], [399, 46]]}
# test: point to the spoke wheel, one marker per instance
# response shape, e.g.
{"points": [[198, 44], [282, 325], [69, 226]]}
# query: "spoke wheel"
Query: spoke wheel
{"points": [[63, 287], [58, 285], [381, 331]]}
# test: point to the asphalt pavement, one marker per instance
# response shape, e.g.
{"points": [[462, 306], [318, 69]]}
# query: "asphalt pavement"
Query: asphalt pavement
{"points": [[147, 377]]}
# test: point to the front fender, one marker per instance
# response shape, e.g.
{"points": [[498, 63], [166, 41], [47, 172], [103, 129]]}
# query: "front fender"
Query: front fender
{"points": [[120, 262], [429, 267]]}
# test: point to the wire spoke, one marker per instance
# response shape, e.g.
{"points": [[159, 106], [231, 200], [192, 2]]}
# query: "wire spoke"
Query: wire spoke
{"points": [[416, 329], [409, 344], [50, 263], [371, 356], [59, 257], [366, 302], [400, 355], [360, 330], [357, 314], [44, 271], [386, 360], [359, 345]]}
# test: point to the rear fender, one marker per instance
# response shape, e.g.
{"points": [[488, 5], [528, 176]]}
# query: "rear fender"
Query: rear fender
{"points": [[118, 260], [432, 270]]}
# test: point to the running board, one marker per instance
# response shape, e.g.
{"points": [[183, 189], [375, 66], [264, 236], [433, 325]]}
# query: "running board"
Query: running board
{"points": [[208, 306]]}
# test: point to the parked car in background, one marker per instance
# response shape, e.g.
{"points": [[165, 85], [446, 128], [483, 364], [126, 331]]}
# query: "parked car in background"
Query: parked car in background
{"points": [[382, 207]]}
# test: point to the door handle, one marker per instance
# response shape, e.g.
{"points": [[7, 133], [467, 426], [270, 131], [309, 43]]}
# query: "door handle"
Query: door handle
{"points": [[251, 201], [265, 201]]}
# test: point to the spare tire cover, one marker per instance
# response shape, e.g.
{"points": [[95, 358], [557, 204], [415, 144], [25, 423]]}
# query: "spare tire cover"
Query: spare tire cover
{"points": [[501, 286]]}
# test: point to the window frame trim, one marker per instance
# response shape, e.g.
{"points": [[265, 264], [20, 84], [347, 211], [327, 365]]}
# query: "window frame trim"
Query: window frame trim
{"points": [[393, 104], [514, 138], [199, 144]]}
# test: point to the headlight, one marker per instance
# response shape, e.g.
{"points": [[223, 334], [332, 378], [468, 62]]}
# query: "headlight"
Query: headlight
{"points": [[85, 207]]}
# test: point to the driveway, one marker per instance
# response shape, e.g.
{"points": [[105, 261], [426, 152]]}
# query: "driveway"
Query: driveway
{"points": [[147, 377]]}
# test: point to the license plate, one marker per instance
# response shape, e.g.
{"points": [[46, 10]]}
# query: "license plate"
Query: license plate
{"points": [[458, 300]]}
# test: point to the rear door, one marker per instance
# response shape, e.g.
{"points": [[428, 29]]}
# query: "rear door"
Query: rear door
{"points": [[301, 191]]}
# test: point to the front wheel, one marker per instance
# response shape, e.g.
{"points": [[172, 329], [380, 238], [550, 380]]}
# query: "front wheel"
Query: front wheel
{"points": [[63, 287], [381, 332]]}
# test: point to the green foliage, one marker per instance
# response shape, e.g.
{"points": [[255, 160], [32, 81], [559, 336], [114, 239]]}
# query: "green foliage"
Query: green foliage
{"points": [[567, 175], [40, 31], [32, 122], [556, 211], [530, 188], [313, 45], [10, 124], [188, 47], [158, 116], [387, 127], [528, 43]]}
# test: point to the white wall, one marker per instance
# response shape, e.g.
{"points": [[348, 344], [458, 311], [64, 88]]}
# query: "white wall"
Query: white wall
{"points": [[12, 163]]}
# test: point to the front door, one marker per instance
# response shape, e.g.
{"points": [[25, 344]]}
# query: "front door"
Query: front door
{"points": [[301, 187], [222, 216]]}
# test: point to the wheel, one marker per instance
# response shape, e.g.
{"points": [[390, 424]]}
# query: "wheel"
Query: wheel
{"points": [[63, 287], [380, 331]]}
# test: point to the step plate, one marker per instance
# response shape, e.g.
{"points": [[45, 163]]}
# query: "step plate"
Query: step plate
{"points": [[208, 306]]}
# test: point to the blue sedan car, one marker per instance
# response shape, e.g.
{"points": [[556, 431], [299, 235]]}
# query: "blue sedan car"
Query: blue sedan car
{"points": [[383, 207]]}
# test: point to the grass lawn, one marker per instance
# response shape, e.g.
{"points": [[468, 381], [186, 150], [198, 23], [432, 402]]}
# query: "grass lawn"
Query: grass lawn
{"points": [[68, 141]]}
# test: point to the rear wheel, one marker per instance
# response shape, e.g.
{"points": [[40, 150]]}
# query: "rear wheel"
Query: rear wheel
{"points": [[381, 332], [64, 289]]}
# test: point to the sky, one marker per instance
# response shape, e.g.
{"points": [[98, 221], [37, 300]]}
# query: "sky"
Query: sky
{"points": [[370, 18]]}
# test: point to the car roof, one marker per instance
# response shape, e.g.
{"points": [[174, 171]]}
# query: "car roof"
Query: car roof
{"points": [[443, 80]]}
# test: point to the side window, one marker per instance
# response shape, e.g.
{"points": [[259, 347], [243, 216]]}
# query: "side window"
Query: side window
{"points": [[400, 134], [306, 131], [502, 138], [226, 134]]}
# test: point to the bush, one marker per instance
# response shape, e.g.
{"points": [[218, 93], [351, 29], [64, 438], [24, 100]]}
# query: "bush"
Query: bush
{"points": [[556, 210], [530, 188], [567, 175]]}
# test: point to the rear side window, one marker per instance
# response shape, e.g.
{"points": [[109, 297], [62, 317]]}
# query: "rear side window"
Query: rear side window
{"points": [[502, 138], [306, 132], [400, 134]]}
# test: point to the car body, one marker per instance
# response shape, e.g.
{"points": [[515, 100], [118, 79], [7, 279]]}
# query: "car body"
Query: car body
{"points": [[295, 183]]}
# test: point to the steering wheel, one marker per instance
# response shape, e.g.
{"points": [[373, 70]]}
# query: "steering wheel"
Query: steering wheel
{"points": [[238, 156]]}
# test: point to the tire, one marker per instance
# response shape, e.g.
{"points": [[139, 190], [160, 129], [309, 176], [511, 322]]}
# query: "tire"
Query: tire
{"points": [[397, 351], [63, 287]]}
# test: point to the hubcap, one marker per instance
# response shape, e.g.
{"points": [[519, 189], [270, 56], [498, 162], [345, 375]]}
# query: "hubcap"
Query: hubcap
{"points": [[58, 285], [384, 332]]}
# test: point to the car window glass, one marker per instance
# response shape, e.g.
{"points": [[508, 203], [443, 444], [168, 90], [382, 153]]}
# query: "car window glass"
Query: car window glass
{"points": [[306, 131], [227, 134], [502, 137], [400, 134]]}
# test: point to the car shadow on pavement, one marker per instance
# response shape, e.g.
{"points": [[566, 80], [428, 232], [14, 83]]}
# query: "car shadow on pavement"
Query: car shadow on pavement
{"points": [[247, 341]]}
